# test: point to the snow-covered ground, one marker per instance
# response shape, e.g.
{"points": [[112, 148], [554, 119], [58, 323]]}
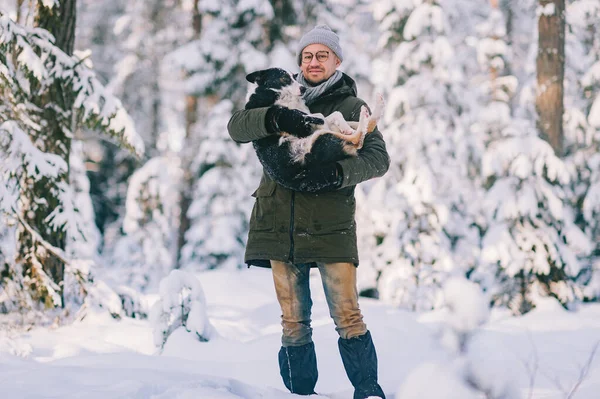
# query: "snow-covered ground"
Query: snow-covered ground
{"points": [[546, 354]]}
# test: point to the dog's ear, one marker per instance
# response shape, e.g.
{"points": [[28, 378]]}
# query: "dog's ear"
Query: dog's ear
{"points": [[254, 77]]}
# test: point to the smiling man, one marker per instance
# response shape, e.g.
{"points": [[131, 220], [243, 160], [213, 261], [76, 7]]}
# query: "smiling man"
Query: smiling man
{"points": [[319, 57], [296, 225]]}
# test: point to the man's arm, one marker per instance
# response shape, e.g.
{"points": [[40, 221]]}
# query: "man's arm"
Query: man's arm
{"points": [[258, 123], [372, 161], [248, 125]]}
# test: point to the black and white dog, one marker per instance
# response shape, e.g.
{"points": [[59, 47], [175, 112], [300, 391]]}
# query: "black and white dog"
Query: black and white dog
{"points": [[333, 141]]}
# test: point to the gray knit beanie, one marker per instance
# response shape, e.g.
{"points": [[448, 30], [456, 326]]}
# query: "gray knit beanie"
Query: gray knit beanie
{"points": [[321, 34]]}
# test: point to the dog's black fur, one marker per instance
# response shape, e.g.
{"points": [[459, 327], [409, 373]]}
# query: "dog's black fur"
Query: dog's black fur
{"points": [[275, 157]]}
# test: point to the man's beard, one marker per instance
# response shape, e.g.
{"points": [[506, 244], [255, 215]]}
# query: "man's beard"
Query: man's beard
{"points": [[315, 82]]}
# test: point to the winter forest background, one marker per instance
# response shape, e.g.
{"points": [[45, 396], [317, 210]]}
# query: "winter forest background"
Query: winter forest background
{"points": [[116, 167]]}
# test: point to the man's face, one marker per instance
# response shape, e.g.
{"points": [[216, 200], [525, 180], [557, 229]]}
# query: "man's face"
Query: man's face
{"points": [[316, 71]]}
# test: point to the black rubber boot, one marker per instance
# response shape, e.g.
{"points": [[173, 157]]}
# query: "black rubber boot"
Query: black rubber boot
{"points": [[298, 368], [360, 362]]}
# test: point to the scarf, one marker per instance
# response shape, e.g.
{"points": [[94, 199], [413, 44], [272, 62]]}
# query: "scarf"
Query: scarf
{"points": [[314, 92]]}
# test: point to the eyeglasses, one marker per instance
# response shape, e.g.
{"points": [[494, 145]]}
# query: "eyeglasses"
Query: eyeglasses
{"points": [[322, 56]]}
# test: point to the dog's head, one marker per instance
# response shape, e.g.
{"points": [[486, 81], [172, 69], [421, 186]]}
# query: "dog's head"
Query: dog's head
{"points": [[276, 84]]}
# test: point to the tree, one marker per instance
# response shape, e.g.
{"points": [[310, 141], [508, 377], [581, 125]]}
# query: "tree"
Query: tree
{"points": [[582, 130], [47, 95], [221, 207], [187, 152], [531, 244], [424, 209], [59, 20]]}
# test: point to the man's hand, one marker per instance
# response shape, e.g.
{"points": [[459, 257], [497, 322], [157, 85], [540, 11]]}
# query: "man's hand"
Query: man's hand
{"points": [[297, 123]]}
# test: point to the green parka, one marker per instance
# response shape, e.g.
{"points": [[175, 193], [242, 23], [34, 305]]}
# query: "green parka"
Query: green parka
{"points": [[303, 227]]}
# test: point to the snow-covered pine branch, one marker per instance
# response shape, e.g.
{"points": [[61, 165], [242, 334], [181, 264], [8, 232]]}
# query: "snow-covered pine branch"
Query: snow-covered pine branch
{"points": [[532, 239], [181, 304], [40, 64]]}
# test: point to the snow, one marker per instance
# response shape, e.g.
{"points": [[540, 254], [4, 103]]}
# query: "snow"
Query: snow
{"points": [[548, 10], [100, 357], [472, 190], [594, 116], [424, 16], [50, 3]]}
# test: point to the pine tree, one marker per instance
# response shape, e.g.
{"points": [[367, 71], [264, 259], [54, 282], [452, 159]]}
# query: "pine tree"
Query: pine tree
{"points": [[221, 207], [530, 245], [47, 95], [424, 208], [582, 130]]}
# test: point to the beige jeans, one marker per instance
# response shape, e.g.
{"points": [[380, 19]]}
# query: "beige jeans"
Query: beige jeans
{"points": [[293, 293]]}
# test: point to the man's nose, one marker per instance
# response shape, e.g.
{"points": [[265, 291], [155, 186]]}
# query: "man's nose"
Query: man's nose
{"points": [[313, 61]]}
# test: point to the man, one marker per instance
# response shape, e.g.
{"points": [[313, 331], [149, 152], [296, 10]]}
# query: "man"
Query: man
{"points": [[296, 225]]}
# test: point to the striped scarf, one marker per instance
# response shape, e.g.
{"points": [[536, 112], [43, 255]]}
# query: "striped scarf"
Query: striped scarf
{"points": [[314, 92]]}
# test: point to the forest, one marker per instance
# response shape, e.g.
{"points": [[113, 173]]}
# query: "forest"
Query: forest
{"points": [[125, 204], [116, 167]]}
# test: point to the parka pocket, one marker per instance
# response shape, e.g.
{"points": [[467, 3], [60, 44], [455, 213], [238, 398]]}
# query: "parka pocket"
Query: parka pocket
{"points": [[263, 213], [332, 213]]}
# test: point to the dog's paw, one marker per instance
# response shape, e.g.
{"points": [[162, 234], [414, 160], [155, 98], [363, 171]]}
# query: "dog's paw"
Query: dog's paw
{"points": [[364, 112], [379, 106]]}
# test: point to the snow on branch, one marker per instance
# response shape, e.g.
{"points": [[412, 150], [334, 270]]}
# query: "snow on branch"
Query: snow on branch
{"points": [[181, 304], [38, 58], [20, 154], [523, 157], [547, 10], [425, 16]]}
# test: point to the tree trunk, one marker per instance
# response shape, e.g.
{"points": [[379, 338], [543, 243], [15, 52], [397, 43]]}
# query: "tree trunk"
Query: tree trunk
{"points": [[550, 72], [43, 198], [191, 117], [60, 21]]}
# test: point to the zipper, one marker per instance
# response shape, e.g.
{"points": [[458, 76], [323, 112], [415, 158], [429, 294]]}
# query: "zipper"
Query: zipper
{"points": [[291, 255]]}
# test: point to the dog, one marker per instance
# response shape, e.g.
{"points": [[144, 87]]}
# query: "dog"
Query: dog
{"points": [[332, 141]]}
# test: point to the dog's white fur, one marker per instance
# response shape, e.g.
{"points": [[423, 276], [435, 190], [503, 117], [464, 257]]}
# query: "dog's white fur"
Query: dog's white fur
{"points": [[353, 133]]}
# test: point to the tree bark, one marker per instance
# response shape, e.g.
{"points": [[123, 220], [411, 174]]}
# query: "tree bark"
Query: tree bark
{"points": [[60, 21], [550, 72]]}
